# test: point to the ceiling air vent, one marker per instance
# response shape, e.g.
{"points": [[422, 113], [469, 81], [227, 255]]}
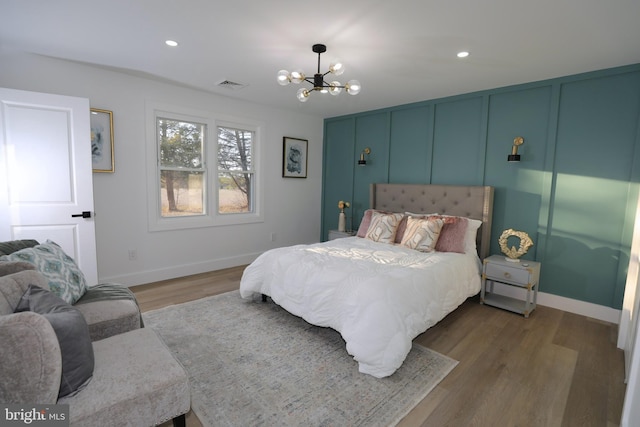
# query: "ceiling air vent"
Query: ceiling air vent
{"points": [[228, 84]]}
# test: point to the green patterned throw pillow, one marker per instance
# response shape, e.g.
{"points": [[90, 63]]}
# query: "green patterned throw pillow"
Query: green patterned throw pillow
{"points": [[65, 277]]}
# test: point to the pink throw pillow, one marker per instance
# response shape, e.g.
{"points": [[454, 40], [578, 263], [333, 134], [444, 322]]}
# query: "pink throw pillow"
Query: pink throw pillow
{"points": [[452, 235], [364, 224], [401, 229]]}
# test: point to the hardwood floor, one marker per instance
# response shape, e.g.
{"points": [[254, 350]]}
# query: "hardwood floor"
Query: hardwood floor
{"points": [[552, 369]]}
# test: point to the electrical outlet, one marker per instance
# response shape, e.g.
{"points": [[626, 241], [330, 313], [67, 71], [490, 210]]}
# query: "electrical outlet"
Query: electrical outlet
{"points": [[273, 236], [133, 254]]}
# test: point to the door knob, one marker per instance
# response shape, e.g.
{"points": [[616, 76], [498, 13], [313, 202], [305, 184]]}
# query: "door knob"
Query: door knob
{"points": [[84, 214]]}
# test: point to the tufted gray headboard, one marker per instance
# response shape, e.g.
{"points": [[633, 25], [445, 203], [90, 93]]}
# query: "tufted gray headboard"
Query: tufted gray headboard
{"points": [[461, 200]]}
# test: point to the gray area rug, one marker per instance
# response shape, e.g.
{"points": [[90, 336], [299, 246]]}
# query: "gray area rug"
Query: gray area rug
{"points": [[254, 364]]}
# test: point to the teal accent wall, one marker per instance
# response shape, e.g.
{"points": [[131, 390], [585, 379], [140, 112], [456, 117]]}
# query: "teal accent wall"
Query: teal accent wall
{"points": [[456, 124], [412, 126], [338, 183], [574, 191]]}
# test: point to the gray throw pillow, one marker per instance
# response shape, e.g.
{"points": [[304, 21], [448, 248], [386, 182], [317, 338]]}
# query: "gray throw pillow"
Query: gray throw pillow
{"points": [[72, 332]]}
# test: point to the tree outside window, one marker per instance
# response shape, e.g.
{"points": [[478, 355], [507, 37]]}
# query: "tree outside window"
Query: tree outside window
{"points": [[202, 169], [235, 170], [182, 169]]}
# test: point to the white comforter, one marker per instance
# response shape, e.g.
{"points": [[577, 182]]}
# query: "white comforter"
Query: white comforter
{"points": [[378, 296]]}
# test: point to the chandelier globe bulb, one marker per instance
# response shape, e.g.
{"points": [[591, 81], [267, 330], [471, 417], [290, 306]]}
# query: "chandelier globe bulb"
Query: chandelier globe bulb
{"points": [[297, 76], [303, 95], [353, 87], [284, 77], [335, 88], [336, 68]]}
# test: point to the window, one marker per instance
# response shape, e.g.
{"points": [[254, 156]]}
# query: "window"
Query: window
{"points": [[202, 169], [235, 170], [182, 172]]}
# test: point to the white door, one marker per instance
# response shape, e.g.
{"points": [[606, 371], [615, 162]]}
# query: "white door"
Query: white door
{"points": [[628, 338], [631, 303], [46, 181]]}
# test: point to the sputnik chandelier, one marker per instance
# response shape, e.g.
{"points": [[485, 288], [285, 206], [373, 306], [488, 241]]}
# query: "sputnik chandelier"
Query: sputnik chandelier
{"points": [[319, 84]]}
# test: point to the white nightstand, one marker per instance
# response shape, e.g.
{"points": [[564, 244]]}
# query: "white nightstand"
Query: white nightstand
{"points": [[335, 234], [524, 274]]}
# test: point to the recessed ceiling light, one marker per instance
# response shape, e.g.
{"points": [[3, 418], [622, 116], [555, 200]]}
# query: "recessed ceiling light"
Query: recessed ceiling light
{"points": [[171, 43], [463, 54]]}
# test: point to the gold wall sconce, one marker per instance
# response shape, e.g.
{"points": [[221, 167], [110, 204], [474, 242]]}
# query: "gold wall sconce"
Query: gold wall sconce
{"points": [[362, 160], [514, 156]]}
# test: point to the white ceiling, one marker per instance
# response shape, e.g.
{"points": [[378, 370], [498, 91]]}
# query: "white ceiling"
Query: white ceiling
{"points": [[401, 51]]}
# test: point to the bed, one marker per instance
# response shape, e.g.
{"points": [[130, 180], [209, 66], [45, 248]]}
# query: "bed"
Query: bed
{"points": [[381, 295]]}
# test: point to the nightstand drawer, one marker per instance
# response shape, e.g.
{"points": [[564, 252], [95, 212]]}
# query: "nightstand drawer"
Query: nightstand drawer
{"points": [[502, 272]]}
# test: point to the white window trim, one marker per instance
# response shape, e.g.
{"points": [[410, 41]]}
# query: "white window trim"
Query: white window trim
{"points": [[211, 218]]}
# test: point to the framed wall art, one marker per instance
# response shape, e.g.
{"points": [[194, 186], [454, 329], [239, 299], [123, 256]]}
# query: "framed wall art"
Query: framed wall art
{"points": [[102, 140], [294, 157]]}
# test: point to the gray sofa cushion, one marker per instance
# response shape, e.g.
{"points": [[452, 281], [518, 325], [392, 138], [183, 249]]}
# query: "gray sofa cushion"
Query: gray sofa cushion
{"points": [[31, 360], [110, 309], [105, 317], [10, 267], [110, 317], [12, 286], [136, 382], [73, 336], [12, 246]]}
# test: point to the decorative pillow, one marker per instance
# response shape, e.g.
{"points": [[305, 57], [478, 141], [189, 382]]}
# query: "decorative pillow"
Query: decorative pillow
{"points": [[403, 224], [452, 236], [471, 235], [422, 234], [72, 332], [65, 277], [366, 222], [383, 227]]}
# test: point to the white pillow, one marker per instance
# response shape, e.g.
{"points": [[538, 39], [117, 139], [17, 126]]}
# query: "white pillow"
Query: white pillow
{"points": [[472, 233]]}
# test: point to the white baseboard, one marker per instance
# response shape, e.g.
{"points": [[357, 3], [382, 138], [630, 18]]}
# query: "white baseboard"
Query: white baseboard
{"points": [[570, 305], [142, 277]]}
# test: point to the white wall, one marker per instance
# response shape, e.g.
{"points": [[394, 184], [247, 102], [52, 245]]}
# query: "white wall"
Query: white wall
{"points": [[291, 208]]}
